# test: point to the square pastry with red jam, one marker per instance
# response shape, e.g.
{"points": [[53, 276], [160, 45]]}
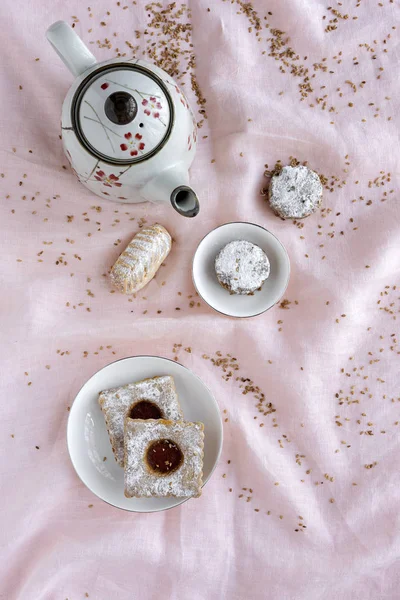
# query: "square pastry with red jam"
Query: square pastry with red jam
{"points": [[163, 458], [153, 398]]}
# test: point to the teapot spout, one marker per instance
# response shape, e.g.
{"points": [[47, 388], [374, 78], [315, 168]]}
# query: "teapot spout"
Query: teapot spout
{"points": [[70, 48], [165, 188], [185, 201]]}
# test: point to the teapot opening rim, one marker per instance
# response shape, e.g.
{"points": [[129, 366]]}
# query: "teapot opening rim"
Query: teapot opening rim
{"points": [[87, 82]]}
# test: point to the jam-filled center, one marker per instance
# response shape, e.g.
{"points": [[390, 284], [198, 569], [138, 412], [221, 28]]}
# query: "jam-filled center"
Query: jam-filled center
{"points": [[145, 409], [164, 456]]}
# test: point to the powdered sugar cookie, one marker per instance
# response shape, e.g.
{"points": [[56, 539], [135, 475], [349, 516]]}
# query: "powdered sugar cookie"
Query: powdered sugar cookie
{"points": [[163, 458], [141, 259], [153, 398], [295, 192], [242, 267]]}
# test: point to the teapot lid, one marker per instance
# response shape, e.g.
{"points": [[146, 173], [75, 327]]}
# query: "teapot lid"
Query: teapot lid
{"points": [[122, 114]]}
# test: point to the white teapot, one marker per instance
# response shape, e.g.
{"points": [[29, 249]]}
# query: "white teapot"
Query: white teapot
{"points": [[127, 128]]}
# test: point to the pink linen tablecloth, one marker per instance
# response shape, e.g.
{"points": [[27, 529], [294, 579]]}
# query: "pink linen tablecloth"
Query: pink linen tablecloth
{"points": [[304, 503]]}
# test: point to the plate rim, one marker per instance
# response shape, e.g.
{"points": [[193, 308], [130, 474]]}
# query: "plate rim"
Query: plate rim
{"points": [[221, 430], [240, 223]]}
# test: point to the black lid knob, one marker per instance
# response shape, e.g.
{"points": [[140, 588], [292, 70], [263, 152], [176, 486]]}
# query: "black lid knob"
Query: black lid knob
{"points": [[120, 108]]}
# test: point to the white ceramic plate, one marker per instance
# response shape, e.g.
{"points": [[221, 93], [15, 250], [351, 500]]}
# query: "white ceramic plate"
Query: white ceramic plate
{"points": [[233, 305], [88, 441]]}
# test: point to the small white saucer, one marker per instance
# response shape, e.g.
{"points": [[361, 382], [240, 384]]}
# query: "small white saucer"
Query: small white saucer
{"points": [[233, 305], [88, 441]]}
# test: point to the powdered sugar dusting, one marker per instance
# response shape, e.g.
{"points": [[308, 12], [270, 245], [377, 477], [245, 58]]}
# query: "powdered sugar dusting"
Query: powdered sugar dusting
{"points": [[117, 402], [141, 259], [295, 192], [242, 267], [140, 481]]}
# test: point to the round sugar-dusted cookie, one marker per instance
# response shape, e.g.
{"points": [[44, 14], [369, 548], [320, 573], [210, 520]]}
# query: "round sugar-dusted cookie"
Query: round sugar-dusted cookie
{"points": [[242, 267], [295, 192]]}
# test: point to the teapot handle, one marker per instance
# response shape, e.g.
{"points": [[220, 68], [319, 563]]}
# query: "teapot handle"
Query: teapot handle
{"points": [[70, 48]]}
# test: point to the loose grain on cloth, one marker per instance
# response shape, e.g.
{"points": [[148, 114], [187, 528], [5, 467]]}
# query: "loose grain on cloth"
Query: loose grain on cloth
{"points": [[303, 504]]}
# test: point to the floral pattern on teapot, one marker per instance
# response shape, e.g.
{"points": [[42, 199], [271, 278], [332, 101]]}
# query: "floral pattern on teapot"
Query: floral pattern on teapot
{"points": [[107, 180], [134, 144]]}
